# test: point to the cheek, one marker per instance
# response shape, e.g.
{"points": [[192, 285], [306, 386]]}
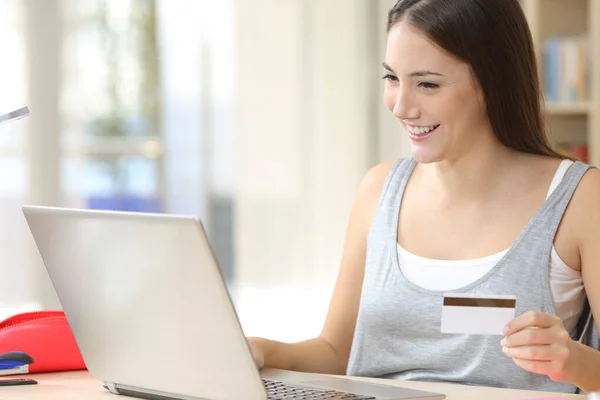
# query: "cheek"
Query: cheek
{"points": [[472, 110], [462, 108], [440, 108]]}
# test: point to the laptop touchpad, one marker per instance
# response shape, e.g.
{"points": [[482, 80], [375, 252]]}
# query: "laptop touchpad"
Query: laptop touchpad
{"points": [[371, 389]]}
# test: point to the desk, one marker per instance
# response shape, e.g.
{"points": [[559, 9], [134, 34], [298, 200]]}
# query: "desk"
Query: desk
{"points": [[79, 385]]}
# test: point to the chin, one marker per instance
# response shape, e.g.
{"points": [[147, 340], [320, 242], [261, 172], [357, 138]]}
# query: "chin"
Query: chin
{"points": [[425, 156]]}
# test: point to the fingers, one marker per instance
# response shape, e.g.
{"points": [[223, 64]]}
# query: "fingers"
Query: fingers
{"points": [[556, 353], [535, 336], [258, 356], [531, 319], [538, 342]]}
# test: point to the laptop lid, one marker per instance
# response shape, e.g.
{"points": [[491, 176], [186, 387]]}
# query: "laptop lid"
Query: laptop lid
{"points": [[146, 302]]}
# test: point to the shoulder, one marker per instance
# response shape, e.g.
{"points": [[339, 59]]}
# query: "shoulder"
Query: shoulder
{"points": [[585, 207], [370, 189], [374, 179], [589, 185]]}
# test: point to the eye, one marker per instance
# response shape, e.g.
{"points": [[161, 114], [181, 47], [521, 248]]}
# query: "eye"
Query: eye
{"points": [[390, 77], [429, 85]]}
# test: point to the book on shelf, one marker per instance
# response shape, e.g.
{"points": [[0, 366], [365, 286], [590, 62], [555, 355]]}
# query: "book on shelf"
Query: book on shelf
{"points": [[566, 69]]}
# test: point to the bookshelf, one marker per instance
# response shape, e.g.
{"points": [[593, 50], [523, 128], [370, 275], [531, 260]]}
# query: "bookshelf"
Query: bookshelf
{"points": [[564, 33]]}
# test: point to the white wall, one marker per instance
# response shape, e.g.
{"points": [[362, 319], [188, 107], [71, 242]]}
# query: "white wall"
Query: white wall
{"points": [[302, 135], [310, 123], [393, 140], [43, 28]]}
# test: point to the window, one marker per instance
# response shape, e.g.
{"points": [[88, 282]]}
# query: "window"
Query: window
{"points": [[112, 142]]}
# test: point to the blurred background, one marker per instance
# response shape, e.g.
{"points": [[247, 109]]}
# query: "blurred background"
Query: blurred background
{"points": [[258, 116]]}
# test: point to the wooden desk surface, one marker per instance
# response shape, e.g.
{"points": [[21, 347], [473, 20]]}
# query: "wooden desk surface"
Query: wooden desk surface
{"points": [[80, 385]]}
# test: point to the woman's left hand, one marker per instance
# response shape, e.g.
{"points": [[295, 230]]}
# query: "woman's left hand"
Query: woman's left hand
{"points": [[539, 343]]}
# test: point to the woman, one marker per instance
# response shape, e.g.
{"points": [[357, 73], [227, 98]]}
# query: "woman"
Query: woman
{"points": [[484, 206]]}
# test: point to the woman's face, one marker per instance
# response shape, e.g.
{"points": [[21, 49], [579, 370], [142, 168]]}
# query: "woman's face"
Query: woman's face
{"points": [[434, 96]]}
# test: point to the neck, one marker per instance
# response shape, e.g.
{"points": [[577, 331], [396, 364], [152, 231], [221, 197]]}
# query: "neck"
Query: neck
{"points": [[473, 175]]}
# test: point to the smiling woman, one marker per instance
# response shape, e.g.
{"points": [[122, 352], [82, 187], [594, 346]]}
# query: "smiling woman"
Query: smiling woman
{"points": [[461, 72], [483, 207], [510, 105]]}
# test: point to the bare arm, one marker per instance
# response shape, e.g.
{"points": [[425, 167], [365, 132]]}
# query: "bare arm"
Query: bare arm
{"points": [[538, 342], [329, 352], [586, 203]]}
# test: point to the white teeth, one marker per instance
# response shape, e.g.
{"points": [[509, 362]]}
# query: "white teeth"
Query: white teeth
{"points": [[421, 130]]}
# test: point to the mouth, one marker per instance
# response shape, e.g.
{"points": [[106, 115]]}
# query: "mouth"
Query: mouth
{"points": [[420, 133]]}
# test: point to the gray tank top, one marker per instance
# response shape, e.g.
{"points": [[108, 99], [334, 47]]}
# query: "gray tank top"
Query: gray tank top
{"points": [[398, 328]]}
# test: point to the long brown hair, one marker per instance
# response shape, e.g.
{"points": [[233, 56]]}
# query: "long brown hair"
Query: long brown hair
{"points": [[493, 37]]}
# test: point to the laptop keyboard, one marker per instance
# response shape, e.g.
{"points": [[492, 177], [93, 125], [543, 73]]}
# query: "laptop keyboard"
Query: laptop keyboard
{"points": [[281, 391]]}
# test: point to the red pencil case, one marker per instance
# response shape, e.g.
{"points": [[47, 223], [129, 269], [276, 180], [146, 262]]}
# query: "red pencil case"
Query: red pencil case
{"points": [[46, 337]]}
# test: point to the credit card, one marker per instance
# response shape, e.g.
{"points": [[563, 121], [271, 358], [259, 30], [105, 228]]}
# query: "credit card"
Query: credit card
{"points": [[477, 314]]}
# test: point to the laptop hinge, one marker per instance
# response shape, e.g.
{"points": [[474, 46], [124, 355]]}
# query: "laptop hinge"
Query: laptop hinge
{"points": [[111, 387]]}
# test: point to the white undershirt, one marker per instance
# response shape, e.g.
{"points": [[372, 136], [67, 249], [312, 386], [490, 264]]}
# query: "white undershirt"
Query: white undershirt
{"points": [[566, 284]]}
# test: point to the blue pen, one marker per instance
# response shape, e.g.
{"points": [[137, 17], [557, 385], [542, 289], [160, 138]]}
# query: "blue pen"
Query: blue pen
{"points": [[14, 359]]}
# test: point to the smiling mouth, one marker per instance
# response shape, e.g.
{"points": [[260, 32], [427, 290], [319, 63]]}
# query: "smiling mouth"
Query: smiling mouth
{"points": [[421, 130], [419, 133]]}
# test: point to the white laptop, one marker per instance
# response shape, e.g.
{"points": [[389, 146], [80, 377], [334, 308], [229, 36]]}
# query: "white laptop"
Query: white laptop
{"points": [[151, 314]]}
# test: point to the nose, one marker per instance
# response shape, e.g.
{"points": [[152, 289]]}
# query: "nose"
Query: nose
{"points": [[405, 106]]}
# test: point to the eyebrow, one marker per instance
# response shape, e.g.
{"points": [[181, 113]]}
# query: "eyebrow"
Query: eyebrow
{"points": [[415, 73]]}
